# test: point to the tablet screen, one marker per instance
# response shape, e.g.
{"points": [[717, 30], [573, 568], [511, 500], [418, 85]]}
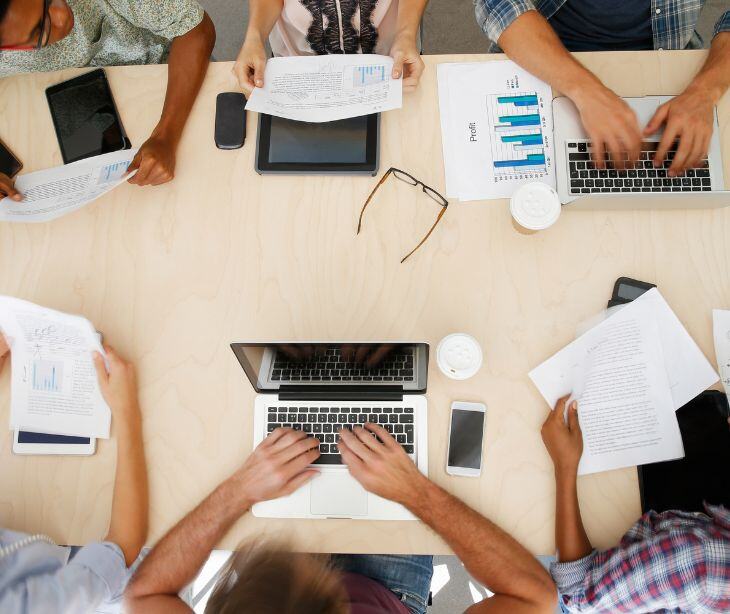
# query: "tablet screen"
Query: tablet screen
{"points": [[85, 118], [343, 141], [29, 437]]}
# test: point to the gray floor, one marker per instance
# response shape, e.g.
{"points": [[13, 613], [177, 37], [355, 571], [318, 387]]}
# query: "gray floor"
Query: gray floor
{"points": [[449, 27]]}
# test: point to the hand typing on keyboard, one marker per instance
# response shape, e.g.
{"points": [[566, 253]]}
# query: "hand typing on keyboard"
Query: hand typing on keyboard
{"points": [[380, 464], [277, 467], [687, 118]]}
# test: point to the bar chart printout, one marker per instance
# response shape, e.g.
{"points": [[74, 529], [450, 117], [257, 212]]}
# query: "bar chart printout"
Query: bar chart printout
{"points": [[47, 375], [519, 141], [369, 75]]}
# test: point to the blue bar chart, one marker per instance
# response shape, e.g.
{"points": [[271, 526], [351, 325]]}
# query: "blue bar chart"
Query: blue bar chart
{"points": [[113, 172], [47, 375], [369, 75], [518, 141]]}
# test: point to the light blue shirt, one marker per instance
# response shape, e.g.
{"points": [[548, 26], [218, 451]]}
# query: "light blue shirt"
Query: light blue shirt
{"points": [[42, 578]]}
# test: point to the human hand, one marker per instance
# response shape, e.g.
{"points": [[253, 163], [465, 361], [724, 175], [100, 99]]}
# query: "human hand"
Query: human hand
{"points": [[564, 441], [382, 468], [4, 350], [277, 467], [611, 125], [689, 119], [7, 188], [118, 385], [407, 62], [250, 64], [154, 162]]}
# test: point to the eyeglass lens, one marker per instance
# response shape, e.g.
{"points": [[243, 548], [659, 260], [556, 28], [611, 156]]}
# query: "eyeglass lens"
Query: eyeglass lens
{"points": [[404, 177]]}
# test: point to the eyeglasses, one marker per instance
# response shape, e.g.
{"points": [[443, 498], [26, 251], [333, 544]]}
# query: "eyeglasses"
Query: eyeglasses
{"points": [[410, 180], [44, 33]]}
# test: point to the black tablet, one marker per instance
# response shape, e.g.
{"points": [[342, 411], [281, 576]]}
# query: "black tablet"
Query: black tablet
{"points": [[347, 146], [85, 117]]}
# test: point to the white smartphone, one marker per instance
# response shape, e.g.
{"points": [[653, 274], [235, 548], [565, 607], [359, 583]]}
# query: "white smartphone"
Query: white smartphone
{"points": [[26, 442], [466, 434]]}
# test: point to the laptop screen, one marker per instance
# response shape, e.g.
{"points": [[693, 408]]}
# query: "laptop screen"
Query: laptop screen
{"points": [[271, 366]]}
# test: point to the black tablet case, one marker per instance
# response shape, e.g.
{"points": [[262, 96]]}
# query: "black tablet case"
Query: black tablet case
{"points": [[704, 473]]}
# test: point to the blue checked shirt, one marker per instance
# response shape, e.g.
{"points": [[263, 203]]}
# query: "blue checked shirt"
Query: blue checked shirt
{"points": [[672, 21]]}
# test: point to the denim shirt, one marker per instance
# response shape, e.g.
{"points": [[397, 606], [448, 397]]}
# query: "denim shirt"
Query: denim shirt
{"points": [[673, 21], [42, 578]]}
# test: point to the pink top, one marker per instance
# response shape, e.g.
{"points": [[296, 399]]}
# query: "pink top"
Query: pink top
{"points": [[319, 27], [370, 597]]}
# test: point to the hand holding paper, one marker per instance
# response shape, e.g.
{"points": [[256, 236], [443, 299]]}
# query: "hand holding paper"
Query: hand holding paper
{"points": [[54, 386], [327, 88]]}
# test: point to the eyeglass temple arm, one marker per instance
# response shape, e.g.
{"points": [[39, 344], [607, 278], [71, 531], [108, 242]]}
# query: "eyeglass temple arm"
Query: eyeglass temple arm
{"points": [[428, 234], [369, 198]]}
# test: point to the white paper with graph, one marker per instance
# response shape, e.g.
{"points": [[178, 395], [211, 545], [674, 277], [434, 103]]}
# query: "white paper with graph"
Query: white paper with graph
{"points": [[54, 192], [327, 87], [497, 129], [54, 387]]}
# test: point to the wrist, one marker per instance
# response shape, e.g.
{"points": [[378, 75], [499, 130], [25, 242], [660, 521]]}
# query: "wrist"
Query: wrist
{"points": [[709, 90], [168, 131], [255, 38], [419, 497], [583, 88], [566, 473]]}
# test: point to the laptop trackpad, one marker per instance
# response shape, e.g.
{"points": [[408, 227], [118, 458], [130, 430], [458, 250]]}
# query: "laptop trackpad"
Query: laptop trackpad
{"points": [[338, 495]]}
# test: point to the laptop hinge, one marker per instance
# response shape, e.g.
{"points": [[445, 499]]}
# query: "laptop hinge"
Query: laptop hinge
{"points": [[341, 393]]}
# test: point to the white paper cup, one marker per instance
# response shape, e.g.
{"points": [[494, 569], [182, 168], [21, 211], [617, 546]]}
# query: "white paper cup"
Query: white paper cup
{"points": [[535, 206], [459, 356]]}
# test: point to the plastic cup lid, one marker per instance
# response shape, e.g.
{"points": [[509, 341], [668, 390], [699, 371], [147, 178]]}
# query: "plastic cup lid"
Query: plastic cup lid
{"points": [[459, 356], [535, 206]]}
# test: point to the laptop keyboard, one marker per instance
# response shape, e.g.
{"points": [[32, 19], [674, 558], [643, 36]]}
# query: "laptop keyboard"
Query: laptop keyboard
{"points": [[325, 423], [329, 365], [584, 178]]}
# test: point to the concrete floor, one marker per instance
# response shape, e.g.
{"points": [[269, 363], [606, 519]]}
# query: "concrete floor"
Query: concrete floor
{"points": [[449, 26]]}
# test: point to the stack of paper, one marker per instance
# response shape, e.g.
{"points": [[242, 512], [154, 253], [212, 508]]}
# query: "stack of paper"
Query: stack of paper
{"points": [[54, 387], [629, 374], [496, 129], [327, 87]]}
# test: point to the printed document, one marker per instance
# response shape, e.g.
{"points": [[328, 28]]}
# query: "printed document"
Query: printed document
{"points": [[616, 372], [54, 387], [54, 192], [325, 88], [496, 129], [721, 333]]}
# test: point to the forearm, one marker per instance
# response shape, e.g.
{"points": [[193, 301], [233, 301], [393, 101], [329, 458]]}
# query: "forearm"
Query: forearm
{"points": [[571, 540], [545, 56], [491, 555], [187, 64], [262, 17], [179, 555], [714, 76], [410, 13], [130, 505]]}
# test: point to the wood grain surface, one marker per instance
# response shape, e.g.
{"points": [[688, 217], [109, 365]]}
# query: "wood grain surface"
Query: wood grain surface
{"points": [[173, 274]]}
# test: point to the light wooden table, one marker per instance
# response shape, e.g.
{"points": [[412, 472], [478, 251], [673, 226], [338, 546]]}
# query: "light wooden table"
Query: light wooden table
{"points": [[172, 274]]}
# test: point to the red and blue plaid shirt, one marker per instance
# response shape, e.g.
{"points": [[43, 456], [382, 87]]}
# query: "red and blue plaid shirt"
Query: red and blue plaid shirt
{"points": [[669, 562]]}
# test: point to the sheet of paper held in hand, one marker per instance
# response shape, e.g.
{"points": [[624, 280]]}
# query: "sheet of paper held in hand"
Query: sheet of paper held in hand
{"points": [[54, 388], [54, 192], [496, 129], [616, 371], [327, 87]]}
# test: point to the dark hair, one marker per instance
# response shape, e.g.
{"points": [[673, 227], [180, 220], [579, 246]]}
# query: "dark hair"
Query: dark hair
{"points": [[266, 578], [4, 6]]}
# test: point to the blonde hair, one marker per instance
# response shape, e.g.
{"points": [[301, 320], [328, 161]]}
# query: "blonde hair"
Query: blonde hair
{"points": [[267, 578]]}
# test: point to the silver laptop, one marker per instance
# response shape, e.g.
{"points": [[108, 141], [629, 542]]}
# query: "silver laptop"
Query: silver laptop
{"points": [[322, 388], [643, 187]]}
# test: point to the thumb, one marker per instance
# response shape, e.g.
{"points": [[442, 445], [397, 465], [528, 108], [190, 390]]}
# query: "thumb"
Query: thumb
{"points": [[134, 164], [573, 423], [299, 480], [259, 67], [397, 65], [101, 372], [656, 122]]}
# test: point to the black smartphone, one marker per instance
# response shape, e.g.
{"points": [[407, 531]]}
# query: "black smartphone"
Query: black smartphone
{"points": [[230, 120], [9, 163], [85, 117], [626, 290]]}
